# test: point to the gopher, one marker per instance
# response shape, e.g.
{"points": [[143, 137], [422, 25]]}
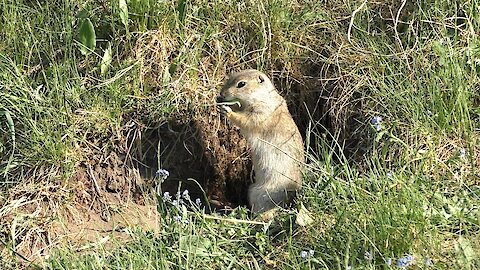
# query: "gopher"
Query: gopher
{"points": [[250, 101]]}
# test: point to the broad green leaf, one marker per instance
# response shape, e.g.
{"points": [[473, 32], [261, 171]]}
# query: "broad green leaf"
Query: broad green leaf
{"points": [[123, 12], [106, 59], [87, 37], [304, 217]]}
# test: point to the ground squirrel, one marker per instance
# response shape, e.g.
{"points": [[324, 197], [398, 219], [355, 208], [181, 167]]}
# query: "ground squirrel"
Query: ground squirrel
{"points": [[250, 101]]}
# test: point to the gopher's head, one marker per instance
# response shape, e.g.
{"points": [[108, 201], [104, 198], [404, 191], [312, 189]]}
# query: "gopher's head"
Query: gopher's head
{"points": [[249, 90]]}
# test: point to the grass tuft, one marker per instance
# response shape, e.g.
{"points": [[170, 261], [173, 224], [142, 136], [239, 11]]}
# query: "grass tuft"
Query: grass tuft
{"points": [[387, 94]]}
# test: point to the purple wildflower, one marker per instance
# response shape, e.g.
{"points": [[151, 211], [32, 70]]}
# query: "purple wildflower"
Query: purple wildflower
{"points": [[166, 197], [307, 254], [404, 262], [367, 256], [377, 122], [185, 195], [162, 174], [304, 254]]}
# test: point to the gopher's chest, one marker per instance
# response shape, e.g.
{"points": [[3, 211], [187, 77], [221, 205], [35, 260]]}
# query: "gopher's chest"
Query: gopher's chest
{"points": [[271, 158]]}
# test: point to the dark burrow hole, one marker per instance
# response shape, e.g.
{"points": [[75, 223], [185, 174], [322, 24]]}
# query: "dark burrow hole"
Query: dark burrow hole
{"points": [[209, 160]]}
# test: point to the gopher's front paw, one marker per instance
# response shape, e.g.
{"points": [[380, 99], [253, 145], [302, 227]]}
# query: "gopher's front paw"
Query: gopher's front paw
{"points": [[224, 110]]}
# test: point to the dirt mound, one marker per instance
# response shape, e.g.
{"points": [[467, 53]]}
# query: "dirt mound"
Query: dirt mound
{"points": [[203, 155]]}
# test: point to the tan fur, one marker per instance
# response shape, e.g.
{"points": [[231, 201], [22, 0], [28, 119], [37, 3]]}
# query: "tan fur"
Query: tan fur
{"points": [[275, 142]]}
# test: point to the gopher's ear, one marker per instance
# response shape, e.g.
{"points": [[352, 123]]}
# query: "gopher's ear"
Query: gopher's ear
{"points": [[261, 79]]}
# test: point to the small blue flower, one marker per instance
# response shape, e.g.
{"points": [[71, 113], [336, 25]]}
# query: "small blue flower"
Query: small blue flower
{"points": [[177, 218], [388, 261], [462, 153], [404, 262], [367, 256], [428, 262], [304, 254], [389, 175], [186, 222], [162, 174], [185, 195], [198, 202], [307, 254], [376, 120], [166, 197]]}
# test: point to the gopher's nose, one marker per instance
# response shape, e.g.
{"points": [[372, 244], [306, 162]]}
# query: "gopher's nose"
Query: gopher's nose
{"points": [[220, 99]]}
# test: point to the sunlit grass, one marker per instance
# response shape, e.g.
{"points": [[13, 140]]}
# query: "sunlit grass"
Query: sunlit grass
{"points": [[409, 189]]}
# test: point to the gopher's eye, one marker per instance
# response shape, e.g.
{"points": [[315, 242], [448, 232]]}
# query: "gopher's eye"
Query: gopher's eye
{"points": [[241, 84]]}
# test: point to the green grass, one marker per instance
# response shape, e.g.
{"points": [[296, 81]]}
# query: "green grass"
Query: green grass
{"points": [[404, 189]]}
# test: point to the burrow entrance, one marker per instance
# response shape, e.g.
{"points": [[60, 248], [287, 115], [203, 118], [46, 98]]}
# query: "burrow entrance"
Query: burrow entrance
{"points": [[208, 156]]}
